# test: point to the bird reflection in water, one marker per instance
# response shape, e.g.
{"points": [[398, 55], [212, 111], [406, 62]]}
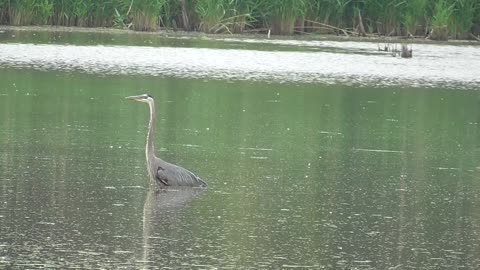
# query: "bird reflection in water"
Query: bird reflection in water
{"points": [[166, 224]]}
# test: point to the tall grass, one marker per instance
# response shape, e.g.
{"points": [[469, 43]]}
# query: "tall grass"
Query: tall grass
{"points": [[81, 11], [415, 13], [339, 11], [63, 13], [27, 12], [84, 13], [387, 16], [210, 14], [225, 15], [325, 12], [241, 14], [145, 14], [476, 21], [280, 16], [442, 14], [459, 18], [464, 13]]}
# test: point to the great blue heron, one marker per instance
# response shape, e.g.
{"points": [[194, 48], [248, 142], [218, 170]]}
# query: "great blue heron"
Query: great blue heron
{"points": [[160, 171]]}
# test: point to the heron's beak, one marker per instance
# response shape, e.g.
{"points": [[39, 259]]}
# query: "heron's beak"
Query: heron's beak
{"points": [[136, 98]]}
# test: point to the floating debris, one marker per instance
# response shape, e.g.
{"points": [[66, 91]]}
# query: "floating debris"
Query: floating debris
{"points": [[452, 169], [378, 150], [330, 132], [406, 51], [255, 148], [46, 223], [384, 47], [122, 252], [134, 187], [189, 145], [298, 266]]}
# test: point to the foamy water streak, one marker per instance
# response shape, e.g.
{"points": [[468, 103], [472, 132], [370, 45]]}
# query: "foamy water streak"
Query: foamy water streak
{"points": [[431, 66]]}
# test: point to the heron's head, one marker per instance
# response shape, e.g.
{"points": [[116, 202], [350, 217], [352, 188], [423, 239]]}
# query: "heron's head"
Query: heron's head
{"points": [[142, 98]]}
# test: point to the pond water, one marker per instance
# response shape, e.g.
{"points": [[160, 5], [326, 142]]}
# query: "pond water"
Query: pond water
{"points": [[318, 154]]}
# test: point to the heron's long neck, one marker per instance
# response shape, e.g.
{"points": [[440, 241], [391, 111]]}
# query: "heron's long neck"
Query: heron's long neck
{"points": [[149, 149]]}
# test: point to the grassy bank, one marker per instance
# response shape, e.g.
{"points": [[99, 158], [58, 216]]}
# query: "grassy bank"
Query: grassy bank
{"points": [[440, 19]]}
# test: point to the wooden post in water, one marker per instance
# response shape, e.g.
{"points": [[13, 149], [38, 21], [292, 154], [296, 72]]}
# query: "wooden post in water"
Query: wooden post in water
{"points": [[406, 52]]}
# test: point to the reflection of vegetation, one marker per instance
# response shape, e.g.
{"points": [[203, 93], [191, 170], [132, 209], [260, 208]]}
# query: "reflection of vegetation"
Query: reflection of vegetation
{"points": [[392, 17]]}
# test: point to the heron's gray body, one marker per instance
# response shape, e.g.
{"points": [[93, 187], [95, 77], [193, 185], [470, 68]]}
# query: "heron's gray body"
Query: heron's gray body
{"points": [[162, 173], [167, 174]]}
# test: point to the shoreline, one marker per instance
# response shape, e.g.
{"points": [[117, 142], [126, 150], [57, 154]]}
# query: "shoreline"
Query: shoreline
{"points": [[194, 34]]}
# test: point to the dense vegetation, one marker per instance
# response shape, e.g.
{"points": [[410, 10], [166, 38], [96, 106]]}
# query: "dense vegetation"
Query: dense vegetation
{"points": [[441, 18]]}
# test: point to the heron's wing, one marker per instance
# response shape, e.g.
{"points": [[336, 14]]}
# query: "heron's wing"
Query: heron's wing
{"points": [[173, 175], [162, 177]]}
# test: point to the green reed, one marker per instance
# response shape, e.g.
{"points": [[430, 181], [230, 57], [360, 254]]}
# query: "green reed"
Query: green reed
{"points": [[463, 17], [441, 17], [27, 12], [210, 14], [459, 18], [280, 16], [414, 15], [241, 14], [145, 15], [225, 15]]}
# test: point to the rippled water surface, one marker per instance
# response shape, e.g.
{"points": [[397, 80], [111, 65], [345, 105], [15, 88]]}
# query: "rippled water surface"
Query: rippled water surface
{"points": [[280, 61], [318, 154]]}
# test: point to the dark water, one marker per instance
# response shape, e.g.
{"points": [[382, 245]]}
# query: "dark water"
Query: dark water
{"points": [[301, 174]]}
